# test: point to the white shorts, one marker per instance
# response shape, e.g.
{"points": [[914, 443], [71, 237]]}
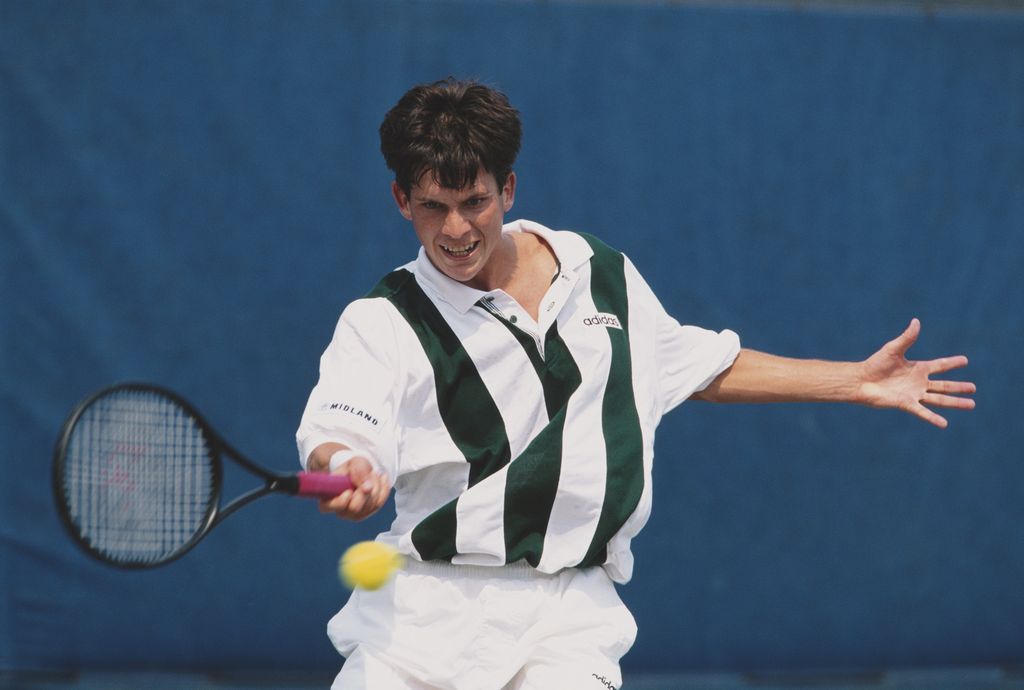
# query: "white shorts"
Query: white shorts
{"points": [[438, 626]]}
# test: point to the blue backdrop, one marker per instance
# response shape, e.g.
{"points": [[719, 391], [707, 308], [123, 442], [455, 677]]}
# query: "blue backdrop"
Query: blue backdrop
{"points": [[190, 192]]}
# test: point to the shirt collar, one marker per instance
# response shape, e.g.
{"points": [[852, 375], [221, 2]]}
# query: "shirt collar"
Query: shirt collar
{"points": [[571, 250]]}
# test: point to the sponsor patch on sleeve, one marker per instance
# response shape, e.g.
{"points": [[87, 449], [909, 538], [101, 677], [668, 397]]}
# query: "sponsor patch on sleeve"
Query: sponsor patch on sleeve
{"points": [[345, 408]]}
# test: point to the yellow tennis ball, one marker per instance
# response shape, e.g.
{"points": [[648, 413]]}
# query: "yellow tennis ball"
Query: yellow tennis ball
{"points": [[368, 564]]}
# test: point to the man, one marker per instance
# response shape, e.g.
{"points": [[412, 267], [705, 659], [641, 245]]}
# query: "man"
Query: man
{"points": [[509, 382]]}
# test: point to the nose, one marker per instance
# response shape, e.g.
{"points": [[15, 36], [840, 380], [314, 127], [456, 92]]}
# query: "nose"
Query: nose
{"points": [[455, 225]]}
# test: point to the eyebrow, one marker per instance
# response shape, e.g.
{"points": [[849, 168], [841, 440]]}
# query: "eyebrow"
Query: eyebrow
{"points": [[476, 194]]}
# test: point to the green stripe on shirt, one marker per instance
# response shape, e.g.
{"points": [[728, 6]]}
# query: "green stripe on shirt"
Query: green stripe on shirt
{"points": [[623, 438], [532, 481], [466, 406]]}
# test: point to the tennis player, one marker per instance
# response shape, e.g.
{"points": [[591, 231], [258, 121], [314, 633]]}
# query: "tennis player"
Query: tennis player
{"points": [[507, 383]]}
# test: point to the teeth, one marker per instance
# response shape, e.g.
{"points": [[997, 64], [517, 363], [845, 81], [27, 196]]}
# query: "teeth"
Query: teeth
{"points": [[460, 251]]}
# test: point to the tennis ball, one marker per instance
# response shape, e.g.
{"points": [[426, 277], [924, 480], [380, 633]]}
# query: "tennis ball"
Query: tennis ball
{"points": [[368, 564]]}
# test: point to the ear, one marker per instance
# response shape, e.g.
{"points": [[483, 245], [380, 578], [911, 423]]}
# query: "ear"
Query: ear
{"points": [[508, 192], [402, 199]]}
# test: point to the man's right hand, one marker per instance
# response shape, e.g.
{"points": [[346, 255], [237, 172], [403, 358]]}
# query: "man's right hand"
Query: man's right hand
{"points": [[370, 491]]}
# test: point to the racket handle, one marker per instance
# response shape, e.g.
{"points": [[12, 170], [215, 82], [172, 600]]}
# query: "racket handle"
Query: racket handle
{"points": [[322, 485]]}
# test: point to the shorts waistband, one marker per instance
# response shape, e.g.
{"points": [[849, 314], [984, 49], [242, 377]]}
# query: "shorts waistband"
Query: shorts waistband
{"points": [[520, 570]]}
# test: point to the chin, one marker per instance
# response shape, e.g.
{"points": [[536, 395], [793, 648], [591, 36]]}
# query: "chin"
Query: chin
{"points": [[465, 277], [461, 274]]}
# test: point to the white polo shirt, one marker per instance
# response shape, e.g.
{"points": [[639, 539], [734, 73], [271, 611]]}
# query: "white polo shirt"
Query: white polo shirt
{"points": [[510, 439]]}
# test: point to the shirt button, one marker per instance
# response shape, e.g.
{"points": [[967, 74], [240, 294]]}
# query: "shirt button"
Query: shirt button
{"points": [[513, 318]]}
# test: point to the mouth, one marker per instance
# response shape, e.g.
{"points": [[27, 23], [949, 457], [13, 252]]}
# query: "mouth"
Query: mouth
{"points": [[460, 252]]}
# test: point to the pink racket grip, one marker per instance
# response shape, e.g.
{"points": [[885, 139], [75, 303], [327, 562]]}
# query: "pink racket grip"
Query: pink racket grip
{"points": [[322, 484]]}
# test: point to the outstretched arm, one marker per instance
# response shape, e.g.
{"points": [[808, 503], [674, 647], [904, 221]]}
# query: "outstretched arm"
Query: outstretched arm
{"points": [[886, 379]]}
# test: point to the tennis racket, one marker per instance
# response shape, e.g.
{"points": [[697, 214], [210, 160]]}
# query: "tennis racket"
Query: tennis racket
{"points": [[137, 476]]}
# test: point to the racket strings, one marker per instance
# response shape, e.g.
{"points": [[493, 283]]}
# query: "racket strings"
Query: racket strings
{"points": [[139, 479]]}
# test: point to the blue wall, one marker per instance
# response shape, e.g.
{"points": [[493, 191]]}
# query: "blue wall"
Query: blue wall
{"points": [[190, 192]]}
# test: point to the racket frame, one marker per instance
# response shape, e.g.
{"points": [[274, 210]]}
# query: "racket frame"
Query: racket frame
{"points": [[216, 446]]}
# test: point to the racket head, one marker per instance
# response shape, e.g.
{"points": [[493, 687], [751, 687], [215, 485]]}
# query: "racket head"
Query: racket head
{"points": [[137, 475]]}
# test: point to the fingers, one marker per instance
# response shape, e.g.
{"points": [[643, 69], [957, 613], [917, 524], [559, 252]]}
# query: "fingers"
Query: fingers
{"points": [[908, 337], [952, 387], [947, 393], [943, 394], [369, 496], [927, 415], [361, 501], [947, 401], [944, 364], [369, 493]]}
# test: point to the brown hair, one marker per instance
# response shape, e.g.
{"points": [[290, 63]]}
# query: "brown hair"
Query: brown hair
{"points": [[452, 129]]}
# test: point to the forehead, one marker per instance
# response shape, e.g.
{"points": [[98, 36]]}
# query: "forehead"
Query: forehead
{"points": [[429, 187]]}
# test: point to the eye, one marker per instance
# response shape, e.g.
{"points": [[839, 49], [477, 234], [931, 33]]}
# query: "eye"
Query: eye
{"points": [[430, 205], [476, 202]]}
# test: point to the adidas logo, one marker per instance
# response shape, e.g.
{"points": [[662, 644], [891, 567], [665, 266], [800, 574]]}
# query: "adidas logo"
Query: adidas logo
{"points": [[609, 320]]}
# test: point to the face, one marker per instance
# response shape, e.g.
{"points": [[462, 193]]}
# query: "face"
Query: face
{"points": [[460, 229]]}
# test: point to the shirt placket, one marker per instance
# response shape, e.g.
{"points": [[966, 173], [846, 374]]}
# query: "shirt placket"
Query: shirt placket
{"points": [[554, 299]]}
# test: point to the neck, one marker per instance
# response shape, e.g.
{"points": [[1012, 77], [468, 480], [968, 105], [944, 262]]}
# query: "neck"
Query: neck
{"points": [[502, 267], [525, 274]]}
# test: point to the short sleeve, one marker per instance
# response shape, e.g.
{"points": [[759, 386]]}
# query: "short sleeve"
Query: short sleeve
{"points": [[687, 358], [690, 358]]}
